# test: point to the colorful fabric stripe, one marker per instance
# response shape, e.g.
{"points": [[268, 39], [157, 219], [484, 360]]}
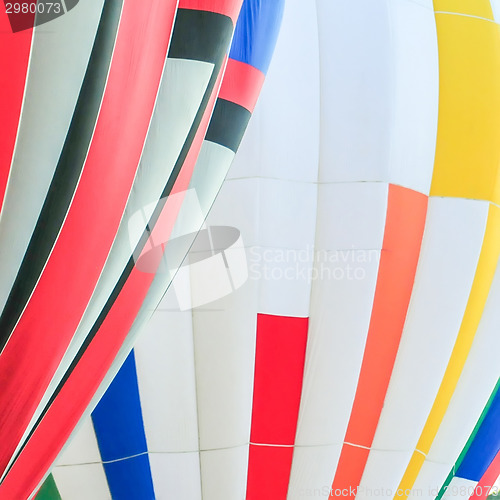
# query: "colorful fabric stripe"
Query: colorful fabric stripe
{"points": [[89, 229], [49, 490], [242, 84], [460, 105], [180, 96], [67, 173], [120, 434], [228, 112], [199, 48], [75, 392], [228, 8], [485, 271], [469, 60], [115, 320], [256, 33], [361, 381], [279, 369], [43, 128], [483, 427], [398, 264], [490, 478], [485, 446], [14, 54], [212, 167]]}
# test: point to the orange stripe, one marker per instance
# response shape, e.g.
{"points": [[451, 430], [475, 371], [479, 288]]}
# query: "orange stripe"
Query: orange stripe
{"points": [[406, 212]]}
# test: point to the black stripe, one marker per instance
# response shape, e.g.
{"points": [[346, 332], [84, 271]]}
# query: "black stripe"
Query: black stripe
{"points": [[228, 124], [199, 35], [218, 48], [67, 172]]}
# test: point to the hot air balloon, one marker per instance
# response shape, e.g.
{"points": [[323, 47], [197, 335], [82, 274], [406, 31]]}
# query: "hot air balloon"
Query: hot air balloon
{"points": [[359, 357], [109, 107]]}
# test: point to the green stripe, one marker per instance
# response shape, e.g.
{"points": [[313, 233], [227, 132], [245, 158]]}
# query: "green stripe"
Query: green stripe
{"points": [[461, 457], [49, 490]]}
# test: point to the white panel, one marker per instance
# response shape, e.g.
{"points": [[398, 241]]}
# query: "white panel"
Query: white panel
{"points": [[203, 281], [287, 213], [224, 473], [282, 138], [82, 447], [210, 171], [379, 98], [380, 482], [78, 471], [313, 470], [165, 375], [478, 379], [264, 216], [351, 216], [450, 251], [340, 317], [287, 228], [224, 333], [53, 86], [285, 277], [357, 90], [416, 68], [244, 214], [176, 476], [351, 224], [82, 482], [430, 479]]}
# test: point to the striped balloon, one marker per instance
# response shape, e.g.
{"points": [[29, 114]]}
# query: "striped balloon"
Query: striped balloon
{"points": [[360, 357], [109, 107]]}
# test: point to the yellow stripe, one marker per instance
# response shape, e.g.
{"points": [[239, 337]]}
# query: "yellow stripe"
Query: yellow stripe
{"points": [[480, 8], [488, 259], [467, 148]]}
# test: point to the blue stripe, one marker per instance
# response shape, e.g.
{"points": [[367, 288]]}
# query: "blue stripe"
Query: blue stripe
{"points": [[256, 32], [485, 446], [120, 434]]}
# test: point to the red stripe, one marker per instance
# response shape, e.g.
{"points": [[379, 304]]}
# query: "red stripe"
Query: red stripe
{"points": [[57, 425], [242, 84], [268, 472], [279, 370], [406, 212], [66, 285], [230, 8], [488, 480], [14, 58]]}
